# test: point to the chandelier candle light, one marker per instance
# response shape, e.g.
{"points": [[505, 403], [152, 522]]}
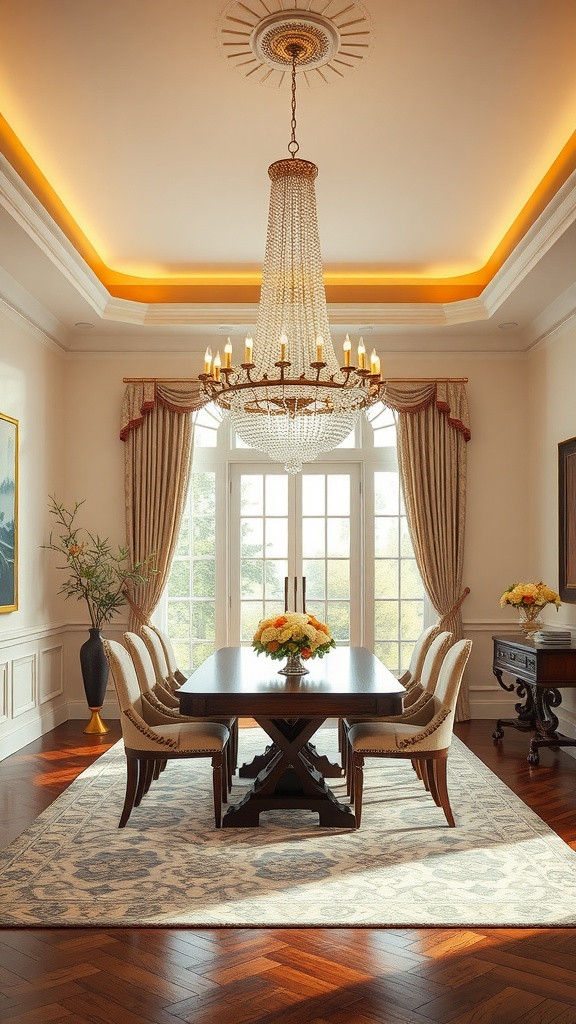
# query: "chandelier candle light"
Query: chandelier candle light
{"points": [[289, 397]]}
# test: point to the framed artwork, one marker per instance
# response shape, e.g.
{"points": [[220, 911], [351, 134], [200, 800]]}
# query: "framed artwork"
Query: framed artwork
{"points": [[567, 520], [8, 514]]}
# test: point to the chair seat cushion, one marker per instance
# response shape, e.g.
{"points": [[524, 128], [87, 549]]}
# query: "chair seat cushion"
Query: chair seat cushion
{"points": [[389, 736], [195, 736]]}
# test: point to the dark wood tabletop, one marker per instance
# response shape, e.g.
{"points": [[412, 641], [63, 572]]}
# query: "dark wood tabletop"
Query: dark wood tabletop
{"points": [[291, 773], [347, 681]]}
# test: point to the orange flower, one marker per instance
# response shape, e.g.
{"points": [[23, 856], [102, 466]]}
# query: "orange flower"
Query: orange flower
{"points": [[527, 599], [280, 621], [305, 652], [272, 646]]}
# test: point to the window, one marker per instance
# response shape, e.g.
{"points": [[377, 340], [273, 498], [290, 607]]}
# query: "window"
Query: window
{"points": [[248, 525]]}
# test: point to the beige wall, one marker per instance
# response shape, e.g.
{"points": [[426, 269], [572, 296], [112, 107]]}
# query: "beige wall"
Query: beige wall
{"points": [[69, 412]]}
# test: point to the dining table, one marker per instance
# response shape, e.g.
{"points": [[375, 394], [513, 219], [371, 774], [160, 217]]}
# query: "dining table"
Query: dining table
{"points": [[290, 773]]}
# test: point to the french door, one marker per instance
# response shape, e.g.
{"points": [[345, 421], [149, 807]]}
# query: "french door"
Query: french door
{"points": [[295, 526]]}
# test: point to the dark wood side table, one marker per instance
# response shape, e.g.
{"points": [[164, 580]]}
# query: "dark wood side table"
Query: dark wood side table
{"points": [[540, 673]]}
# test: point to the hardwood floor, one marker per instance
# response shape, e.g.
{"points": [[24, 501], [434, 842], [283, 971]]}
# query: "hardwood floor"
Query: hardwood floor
{"points": [[287, 976]]}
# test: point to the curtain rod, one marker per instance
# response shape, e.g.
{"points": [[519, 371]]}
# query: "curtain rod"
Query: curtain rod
{"points": [[385, 380]]}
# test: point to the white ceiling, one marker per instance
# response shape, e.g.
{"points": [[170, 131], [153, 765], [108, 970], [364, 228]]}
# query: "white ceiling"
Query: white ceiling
{"points": [[159, 150]]}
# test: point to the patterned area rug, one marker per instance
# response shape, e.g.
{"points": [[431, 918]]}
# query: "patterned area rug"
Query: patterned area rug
{"points": [[500, 866]]}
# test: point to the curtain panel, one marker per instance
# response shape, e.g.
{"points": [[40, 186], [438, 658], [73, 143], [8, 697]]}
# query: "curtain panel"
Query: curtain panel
{"points": [[433, 430], [157, 430]]}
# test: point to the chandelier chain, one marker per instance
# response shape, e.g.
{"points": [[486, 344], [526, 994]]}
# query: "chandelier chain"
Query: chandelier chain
{"points": [[293, 146]]}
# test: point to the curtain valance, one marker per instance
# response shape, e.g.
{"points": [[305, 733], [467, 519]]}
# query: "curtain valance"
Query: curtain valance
{"points": [[142, 396], [412, 396]]}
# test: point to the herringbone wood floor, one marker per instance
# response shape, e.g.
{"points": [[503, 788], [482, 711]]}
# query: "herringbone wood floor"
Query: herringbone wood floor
{"points": [[287, 976]]}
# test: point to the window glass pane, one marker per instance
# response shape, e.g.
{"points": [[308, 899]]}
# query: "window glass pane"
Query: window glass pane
{"points": [[251, 495], [317, 608], [338, 573], [313, 540], [276, 495], [388, 655], [313, 495], [338, 619], [406, 549], [313, 570], [251, 583], [386, 537], [205, 437], [251, 531], [179, 619], [203, 486], [182, 654], [276, 538], [275, 574], [339, 494], [338, 537], [386, 493], [385, 438], [199, 654], [204, 536], [251, 613], [203, 620], [386, 578], [183, 545], [204, 578], [386, 620], [410, 582], [412, 619], [179, 580]]}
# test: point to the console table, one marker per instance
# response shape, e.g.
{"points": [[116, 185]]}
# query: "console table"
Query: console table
{"points": [[540, 673]]}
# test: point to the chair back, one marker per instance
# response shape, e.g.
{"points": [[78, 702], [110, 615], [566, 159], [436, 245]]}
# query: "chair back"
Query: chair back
{"points": [[451, 673], [414, 670], [156, 651], [142, 662], [123, 674], [434, 660], [170, 655]]}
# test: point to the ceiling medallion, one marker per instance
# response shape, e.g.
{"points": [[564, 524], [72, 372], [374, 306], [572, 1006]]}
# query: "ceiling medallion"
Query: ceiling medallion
{"points": [[259, 40]]}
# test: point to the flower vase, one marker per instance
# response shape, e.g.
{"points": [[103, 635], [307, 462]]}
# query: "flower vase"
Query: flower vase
{"points": [[95, 669], [530, 618], [293, 667]]}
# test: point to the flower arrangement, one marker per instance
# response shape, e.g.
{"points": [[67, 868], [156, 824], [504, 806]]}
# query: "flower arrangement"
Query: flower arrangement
{"points": [[293, 633], [523, 595], [97, 574]]}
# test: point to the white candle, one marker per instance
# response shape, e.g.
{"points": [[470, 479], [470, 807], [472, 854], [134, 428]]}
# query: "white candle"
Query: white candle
{"points": [[248, 348], [347, 346], [319, 348], [283, 344], [217, 365], [374, 363], [228, 353], [208, 360], [361, 355]]}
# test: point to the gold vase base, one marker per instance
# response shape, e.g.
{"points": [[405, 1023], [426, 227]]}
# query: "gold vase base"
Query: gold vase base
{"points": [[96, 726]]}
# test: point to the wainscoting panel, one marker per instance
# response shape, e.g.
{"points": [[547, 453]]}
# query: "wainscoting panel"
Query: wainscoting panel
{"points": [[4, 669], [51, 673], [23, 684]]}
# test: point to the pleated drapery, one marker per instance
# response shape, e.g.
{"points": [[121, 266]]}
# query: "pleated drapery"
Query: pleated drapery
{"points": [[433, 429], [157, 430]]}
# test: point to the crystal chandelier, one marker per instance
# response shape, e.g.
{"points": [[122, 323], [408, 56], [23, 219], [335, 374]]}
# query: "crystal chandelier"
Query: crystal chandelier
{"points": [[289, 398]]}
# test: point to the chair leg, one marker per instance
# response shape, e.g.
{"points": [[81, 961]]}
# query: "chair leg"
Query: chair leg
{"points": [[132, 776], [357, 767], [433, 781], [234, 746], [440, 766], [218, 781]]}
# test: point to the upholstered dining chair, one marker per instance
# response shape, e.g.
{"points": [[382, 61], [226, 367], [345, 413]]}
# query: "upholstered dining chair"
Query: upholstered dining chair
{"points": [[173, 670], [148, 747], [411, 677], [165, 683], [427, 746], [417, 703], [158, 713]]}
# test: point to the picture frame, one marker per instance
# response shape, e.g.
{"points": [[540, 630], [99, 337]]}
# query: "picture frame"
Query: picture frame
{"points": [[8, 514], [567, 520]]}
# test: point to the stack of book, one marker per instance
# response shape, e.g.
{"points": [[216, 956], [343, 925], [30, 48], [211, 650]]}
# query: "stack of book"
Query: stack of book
{"points": [[553, 637]]}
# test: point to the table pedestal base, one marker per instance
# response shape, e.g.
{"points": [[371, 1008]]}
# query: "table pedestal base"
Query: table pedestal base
{"points": [[535, 714], [288, 778]]}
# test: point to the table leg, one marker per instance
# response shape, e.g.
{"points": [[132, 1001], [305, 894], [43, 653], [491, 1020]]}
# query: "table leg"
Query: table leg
{"points": [[329, 769], [289, 779], [526, 712]]}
